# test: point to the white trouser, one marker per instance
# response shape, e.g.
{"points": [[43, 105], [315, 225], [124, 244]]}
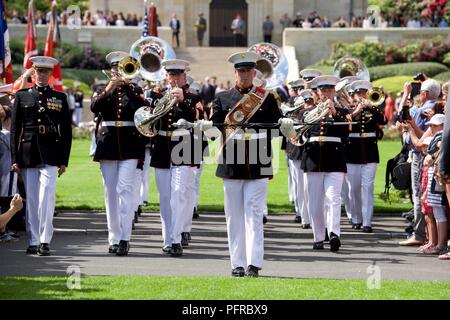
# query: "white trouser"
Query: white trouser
{"points": [[40, 188], [298, 185], [345, 199], [145, 177], [119, 183], [293, 181], [197, 173], [93, 146], [138, 177], [4, 184], [77, 115], [324, 200], [290, 183], [360, 181], [245, 202], [176, 200]]}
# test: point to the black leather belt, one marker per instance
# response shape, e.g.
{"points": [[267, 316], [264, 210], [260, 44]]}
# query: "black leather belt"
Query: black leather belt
{"points": [[42, 129]]}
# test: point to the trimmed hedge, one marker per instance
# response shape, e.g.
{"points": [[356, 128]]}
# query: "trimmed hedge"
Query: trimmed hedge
{"points": [[407, 69], [392, 84], [431, 69], [444, 76]]}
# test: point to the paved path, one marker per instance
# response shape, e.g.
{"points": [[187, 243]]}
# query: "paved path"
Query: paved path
{"points": [[80, 239]]}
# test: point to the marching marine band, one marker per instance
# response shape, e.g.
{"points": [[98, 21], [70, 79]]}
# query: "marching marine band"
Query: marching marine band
{"points": [[330, 123]]}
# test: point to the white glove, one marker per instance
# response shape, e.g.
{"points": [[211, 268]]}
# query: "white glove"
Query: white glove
{"points": [[287, 127], [204, 125]]}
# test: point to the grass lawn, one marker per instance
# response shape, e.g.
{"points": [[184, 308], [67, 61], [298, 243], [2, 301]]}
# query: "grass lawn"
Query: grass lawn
{"points": [[209, 288], [81, 186]]}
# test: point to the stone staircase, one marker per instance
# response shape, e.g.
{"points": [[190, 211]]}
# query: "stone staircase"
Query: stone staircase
{"points": [[209, 61]]}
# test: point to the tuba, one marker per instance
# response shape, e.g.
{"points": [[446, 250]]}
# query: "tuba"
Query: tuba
{"points": [[150, 52], [351, 66], [273, 64]]}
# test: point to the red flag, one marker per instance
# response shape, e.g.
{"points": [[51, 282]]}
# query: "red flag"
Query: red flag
{"points": [[51, 48], [30, 41], [152, 21]]}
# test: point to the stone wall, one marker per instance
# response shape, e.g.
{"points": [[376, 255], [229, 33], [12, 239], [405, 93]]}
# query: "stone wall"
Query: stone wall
{"points": [[116, 38], [312, 45]]}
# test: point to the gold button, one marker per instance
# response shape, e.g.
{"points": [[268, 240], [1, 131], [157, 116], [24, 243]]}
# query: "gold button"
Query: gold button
{"points": [[120, 104], [118, 116], [169, 126], [40, 101], [40, 93], [170, 113], [39, 120], [120, 110]]}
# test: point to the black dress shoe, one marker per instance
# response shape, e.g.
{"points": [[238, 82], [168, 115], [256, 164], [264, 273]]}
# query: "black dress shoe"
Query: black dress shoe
{"points": [[356, 226], [176, 250], [139, 210], [136, 217], [124, 247], [318, 245], [32, 250], [145, 203], [238, 272], [327, 238], [335, 243], [298, 219], [251, 271], [188, 236], [306, 226], [166, 249], [195, 214], [264, 219], [44, 250], [184, 239], [367, 229], [113, 248]]}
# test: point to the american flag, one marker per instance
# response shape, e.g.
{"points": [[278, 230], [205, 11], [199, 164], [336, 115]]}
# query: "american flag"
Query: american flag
{"points": [[145, 30], [30, 41], [6, 70]]}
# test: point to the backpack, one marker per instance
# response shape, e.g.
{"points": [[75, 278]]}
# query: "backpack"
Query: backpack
{"points": [[398, 172]]}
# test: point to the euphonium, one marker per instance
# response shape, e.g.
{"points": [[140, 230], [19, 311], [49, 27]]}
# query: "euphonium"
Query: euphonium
{"points": [[311, 117]]}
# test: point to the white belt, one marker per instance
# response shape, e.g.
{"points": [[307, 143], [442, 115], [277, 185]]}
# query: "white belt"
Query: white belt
{"points": [[362, 135], [250, 136], [176, 133], [118, 124], [324, 139]]}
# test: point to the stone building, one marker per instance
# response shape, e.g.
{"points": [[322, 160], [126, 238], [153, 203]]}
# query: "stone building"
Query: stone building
{"points": [[219, 14]]}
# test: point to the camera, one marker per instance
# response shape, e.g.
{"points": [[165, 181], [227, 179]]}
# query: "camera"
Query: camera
{"points": [[404, 114], [420, 77], [415, 89]]}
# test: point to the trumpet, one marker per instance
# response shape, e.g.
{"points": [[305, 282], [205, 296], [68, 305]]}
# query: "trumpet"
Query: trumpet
{"points": [[128, 68], [374, 97]]}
